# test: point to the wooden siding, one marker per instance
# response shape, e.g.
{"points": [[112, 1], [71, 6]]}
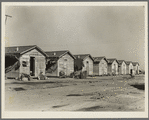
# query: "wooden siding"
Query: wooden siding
{"points": [[136, 69], [40, 62], [96, 68], [66, 64], [109, 69], [113, 68], [129, 67], [100, 68], [26, 69], [122, 68], [103, 67], [88, 65]]}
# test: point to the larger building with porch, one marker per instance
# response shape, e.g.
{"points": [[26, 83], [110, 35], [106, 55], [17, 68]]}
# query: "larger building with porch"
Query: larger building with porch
{"points": [[32, 61]]}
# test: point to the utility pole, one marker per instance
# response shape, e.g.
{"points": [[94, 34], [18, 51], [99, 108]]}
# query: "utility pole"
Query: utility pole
{"points": [[6, 17]]}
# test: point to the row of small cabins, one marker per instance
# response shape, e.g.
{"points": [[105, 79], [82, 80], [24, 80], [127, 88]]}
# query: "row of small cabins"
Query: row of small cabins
{"points": [[33, 60]]}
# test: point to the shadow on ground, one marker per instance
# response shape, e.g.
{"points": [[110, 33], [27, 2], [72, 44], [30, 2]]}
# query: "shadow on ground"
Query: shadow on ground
{"points": [[58, 106], [19, 89], [140, 86]]}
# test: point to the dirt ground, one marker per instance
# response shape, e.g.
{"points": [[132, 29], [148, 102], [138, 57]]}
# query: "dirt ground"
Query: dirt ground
{"points": [[107, 93]]}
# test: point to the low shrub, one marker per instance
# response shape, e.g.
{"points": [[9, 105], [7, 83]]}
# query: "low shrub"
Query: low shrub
{"points": [[108, 74]]}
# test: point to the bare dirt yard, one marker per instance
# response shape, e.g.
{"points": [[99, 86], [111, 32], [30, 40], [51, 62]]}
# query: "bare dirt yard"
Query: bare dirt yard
{"points": [[107, 93]]}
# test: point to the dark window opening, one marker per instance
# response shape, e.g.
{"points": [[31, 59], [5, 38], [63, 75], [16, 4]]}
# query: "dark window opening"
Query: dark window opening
{"points": [[32, 66], [24, 63]]}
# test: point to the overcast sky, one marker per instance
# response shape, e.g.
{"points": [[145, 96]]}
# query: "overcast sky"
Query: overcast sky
{"points": [[113, 32]]}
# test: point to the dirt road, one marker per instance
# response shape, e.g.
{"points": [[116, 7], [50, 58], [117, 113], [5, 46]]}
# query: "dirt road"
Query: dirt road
{"points": [[108, 93]]}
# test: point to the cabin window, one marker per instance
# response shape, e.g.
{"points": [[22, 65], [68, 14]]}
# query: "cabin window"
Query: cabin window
{"points": [[65, 59], [24, 63]]}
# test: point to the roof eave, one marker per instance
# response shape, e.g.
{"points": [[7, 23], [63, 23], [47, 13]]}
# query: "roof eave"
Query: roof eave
{"points": [[35, 46], [66, 53]]}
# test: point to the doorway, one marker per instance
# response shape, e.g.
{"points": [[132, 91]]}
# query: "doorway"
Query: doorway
{"points": [[131, 72], [32, 66]]}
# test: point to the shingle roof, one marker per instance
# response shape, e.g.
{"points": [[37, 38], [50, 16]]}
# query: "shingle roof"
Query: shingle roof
{"points": [[128, 62], [134, 63], [83, 56], [57, 54], [98, 59], [19, 50], [111, 60], [121, 61]]}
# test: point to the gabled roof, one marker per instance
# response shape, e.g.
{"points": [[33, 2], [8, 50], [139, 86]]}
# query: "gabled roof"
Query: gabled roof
{"points": [[98, 59], [111, 60], [55, 55], [20, 50], [121, 61], [135, 63], [83, 56], [128, 62]]}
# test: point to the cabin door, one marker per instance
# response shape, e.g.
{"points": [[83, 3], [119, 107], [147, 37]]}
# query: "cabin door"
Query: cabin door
{"points": [[87, 67], [32, 66], [137, 70], [131, 71]]}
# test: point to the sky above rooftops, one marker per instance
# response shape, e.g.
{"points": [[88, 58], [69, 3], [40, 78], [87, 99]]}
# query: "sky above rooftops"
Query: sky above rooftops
{"points": [[113, 32]]}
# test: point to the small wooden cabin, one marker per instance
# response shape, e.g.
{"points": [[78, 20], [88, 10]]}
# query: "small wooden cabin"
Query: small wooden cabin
{"points": [[32, 60], [136, 67], [113, 66], [60, 61], [100, 66], [122, 67], [129, 67], [87, 61]]}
